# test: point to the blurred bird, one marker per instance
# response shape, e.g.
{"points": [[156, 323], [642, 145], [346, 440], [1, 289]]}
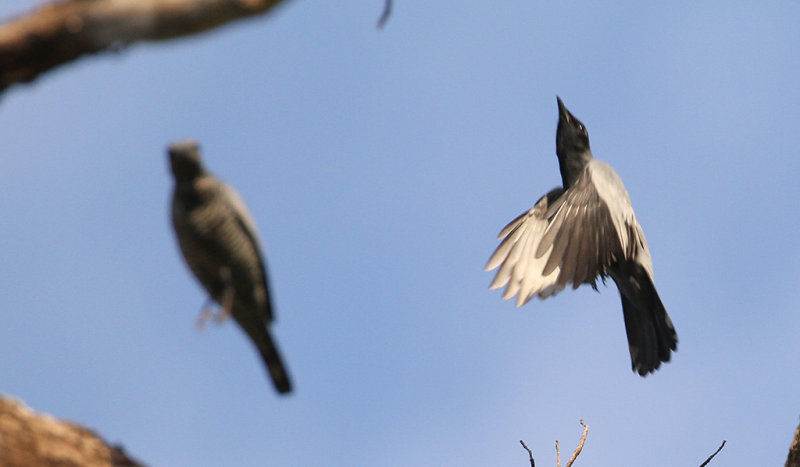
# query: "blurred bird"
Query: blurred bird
{"points": [[585, 229], [219, 242]]}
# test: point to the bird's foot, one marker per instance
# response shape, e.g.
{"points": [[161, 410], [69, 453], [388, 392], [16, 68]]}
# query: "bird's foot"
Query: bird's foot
{"points": [[205, 314], [225, 306]]}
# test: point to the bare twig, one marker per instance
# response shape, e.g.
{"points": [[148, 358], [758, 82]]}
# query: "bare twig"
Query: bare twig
{"points": [[712, 455], [387, 11], [558, 450], [558, 456], [62, 32], [530, 454], [580, 445]]}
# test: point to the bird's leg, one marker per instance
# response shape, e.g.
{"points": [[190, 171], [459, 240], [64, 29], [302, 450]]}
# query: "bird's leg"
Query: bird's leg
{"points": [[226, 302], [205, 314]]}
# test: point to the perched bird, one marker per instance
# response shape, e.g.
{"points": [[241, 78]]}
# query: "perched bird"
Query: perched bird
{"points": [[585, 229], [219, 242]]}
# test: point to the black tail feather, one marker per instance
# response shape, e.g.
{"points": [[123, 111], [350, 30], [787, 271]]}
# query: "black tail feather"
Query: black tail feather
{"points": [[257, 329], [651, 335], [274, 363]]}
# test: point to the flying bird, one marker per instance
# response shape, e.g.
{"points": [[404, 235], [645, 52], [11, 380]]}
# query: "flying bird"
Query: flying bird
{"points": [[582, 230], [219, 241]]}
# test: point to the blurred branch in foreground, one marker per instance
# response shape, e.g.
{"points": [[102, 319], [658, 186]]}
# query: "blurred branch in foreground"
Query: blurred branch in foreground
{"points": [[58, 33], [28, 438], [387, 11]]}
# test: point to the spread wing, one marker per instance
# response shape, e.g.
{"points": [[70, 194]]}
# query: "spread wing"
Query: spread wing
{"points": [[520, 268], [569, 237]]}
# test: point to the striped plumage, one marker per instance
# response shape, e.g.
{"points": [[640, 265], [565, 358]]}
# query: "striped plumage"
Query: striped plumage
{"points": [[220, 244], [580, 231]]}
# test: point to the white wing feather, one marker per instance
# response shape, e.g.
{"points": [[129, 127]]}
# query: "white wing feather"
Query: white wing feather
{"points": [[521, 271]]}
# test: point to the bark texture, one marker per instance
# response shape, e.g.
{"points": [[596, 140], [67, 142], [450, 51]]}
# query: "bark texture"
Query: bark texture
{"points": [[794, 450], [28, 438]]}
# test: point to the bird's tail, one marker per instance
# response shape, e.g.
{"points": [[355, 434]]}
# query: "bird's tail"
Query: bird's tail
{"points": [[259, 334], [651, 335], [274, 363]]}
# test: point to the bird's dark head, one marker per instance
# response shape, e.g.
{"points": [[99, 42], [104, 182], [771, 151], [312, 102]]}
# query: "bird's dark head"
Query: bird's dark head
{"points": [[185, 160], [572, 145], [571, 136]]}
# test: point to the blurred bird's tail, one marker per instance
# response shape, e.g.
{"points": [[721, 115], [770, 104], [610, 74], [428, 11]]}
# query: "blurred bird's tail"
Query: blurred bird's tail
{"points": [[651, 335], [274, 363], [259, 334]]}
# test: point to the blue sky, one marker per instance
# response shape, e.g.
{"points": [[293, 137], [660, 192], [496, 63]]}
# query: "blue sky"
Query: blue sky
{"points": [[380, 166]]}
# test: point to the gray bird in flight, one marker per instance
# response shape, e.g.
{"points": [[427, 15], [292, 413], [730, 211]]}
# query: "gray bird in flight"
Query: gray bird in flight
{"points": [[220, 244], [580, 231]]}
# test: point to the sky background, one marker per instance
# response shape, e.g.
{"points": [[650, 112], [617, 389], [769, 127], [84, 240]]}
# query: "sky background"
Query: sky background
{"points": [[380, 166]]}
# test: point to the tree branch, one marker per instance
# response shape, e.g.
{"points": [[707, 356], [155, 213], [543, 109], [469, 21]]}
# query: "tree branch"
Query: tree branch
{"points": [[580, 444], [558, 456], [530, 454], [712, 455], [558, 451], [793, 460], [29, 438], [59, 33], [387, 11]]}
